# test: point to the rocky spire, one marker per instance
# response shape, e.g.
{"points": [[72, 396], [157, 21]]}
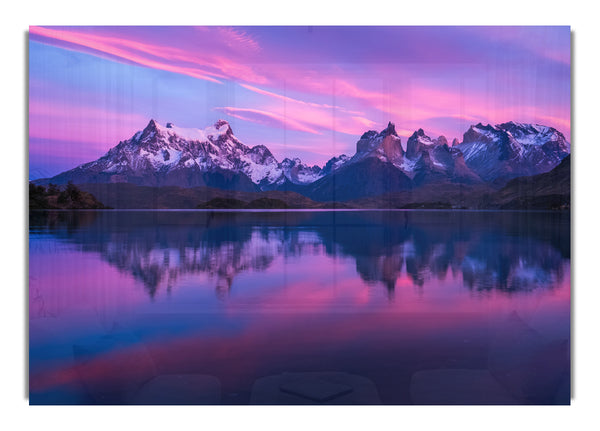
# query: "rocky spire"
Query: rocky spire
{"points": [[389, 130], [220, 124]]}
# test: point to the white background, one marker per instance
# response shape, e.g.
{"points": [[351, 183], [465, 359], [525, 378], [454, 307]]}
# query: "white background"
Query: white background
{"points": [[584, 412]]}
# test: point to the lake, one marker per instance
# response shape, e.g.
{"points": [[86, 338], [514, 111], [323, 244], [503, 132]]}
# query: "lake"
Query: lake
{"points": [[300, 307]]}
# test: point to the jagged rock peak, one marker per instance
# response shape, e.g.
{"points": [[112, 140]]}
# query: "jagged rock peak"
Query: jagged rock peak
{"points": [[291, 162], [514, 124], [441, 140], [389, 130], [482, 127], [223, 124], [369, 135], [418, 133], [479, 132], [150, 132], [152, 124]]}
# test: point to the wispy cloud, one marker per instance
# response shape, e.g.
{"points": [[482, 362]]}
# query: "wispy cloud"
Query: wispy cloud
{"points": [[332, 82], [301, 118], [267, 118], [302, 102], [206, 65], [237, 39]]}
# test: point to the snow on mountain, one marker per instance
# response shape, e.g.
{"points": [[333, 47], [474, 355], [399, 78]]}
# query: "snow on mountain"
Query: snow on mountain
{"points": [[334, 164], [170, 155], [417, 143], [220, 128], [299, 173], [512, 149], [425, 159], [260, 165], [187, 157], [214, 147], [533, 134]]}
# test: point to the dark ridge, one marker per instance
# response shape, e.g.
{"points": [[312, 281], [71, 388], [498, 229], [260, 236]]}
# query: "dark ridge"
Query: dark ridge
{"points": [[54, 197], [267, 203]]}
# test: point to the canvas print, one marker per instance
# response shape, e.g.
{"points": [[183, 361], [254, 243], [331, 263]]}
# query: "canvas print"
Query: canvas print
{"points": [[299, 215]]}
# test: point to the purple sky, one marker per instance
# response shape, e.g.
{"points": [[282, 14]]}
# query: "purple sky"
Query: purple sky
{"points": [[302, 91]]}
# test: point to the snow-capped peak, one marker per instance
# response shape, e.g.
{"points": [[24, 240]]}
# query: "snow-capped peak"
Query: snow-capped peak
{"points": [[219, 124], [531, 134], [481, 133], [512, 149], [220, 128], [488, 127], [417, 142], [173, 155], [299, 173], [423, 138]]}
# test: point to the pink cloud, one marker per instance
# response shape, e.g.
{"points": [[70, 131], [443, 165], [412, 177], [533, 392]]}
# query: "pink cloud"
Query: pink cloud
{"points": [[301, 117], [402, 93], [317, 116], [349, 89], [563, 124], [210, 67], [328, 119], [267, 118], [237, 39], [290, 99], [424, 105]]}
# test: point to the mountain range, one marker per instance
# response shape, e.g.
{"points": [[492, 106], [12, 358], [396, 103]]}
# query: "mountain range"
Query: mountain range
{"points": [[488, 156]]}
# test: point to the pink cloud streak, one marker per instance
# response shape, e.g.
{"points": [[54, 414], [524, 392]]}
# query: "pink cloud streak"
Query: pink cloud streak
{"points": [[290, 99], [211, 68], [301, 118], [266, 118], [218, 54]]}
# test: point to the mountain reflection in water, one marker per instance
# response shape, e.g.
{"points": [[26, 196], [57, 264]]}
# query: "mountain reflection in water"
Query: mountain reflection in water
{"points": [[508, 252], [239, 296]]}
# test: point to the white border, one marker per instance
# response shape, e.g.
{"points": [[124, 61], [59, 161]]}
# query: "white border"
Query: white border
{"points": [[16, 18]]}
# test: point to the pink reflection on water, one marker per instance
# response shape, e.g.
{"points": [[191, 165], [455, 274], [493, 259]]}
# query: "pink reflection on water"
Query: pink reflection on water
{"points": [[73, 282], [264, 301], [290, 316]]}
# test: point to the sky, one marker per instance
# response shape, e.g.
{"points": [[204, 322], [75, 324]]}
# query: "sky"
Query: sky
{"points": [[306, 92]]}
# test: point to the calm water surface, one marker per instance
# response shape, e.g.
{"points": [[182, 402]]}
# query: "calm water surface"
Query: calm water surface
{"points": [[244, 295]]}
